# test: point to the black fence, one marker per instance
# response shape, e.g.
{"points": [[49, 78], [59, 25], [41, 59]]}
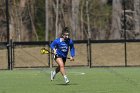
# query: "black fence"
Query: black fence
{"points": [[91, 53]]}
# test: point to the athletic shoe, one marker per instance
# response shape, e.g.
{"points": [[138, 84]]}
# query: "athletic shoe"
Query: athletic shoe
{"points": [[52, 76], [66, 81]]}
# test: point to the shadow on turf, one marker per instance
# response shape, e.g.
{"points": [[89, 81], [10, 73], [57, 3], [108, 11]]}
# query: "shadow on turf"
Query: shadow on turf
{"points": [[67, 84]]}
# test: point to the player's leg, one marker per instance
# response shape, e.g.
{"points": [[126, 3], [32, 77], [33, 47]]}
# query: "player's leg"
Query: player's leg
{"points": [[62, 68], [53, 73], [60, 63]]}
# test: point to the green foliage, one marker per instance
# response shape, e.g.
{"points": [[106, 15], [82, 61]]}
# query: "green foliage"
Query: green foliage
{"points": [[40, 19], [99, 16]]}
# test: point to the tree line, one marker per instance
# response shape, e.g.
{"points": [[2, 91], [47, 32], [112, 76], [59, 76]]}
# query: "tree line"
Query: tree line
{"points": [[43, 20]]}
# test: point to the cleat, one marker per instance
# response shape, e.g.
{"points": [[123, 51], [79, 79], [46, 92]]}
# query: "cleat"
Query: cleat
{"points": [[66, 81], [52, 76]]}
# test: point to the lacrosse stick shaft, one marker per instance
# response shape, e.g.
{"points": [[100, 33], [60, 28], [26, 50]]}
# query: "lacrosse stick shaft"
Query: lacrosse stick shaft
{"points": [[54, 53]]}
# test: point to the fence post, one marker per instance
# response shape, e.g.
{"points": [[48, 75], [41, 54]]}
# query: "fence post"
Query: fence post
{"points": [[89, 34], [9, 63], [10, 54], [125, 45], [50, 57], [8, 36], [89, 52]]}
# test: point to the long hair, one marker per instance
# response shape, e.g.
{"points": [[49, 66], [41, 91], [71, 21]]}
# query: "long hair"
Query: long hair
{"points": [[65, 30]]}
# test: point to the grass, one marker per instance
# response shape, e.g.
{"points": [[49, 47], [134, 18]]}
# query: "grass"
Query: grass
{"points": [[82, 80]]}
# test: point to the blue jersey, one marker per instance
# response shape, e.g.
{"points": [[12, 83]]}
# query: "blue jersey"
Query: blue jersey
{"points": [[63, 47]]}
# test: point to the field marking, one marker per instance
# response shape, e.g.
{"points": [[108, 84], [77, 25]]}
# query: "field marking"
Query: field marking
{"points": [[77, 73], [69, 72]]}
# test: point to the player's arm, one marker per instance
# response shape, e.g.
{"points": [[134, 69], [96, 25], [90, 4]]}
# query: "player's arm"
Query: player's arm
{"points": [[53, 46], [72, 51]]}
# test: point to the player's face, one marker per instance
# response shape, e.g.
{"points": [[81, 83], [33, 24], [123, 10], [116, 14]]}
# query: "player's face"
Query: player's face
{"points": [[66, 36]]}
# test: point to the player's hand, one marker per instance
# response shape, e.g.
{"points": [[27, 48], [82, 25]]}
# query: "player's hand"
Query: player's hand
{"points": [[71, 59], [54, 51]]}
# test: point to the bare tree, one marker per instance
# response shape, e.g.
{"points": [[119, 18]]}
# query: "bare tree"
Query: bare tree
{"points": [[102, 21], [137, 18], [88, 22], [75, 19], [22, 20], [46, 22], [3, 32], [116, 20]]}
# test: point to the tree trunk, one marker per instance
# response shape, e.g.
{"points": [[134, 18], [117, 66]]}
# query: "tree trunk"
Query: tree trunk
{"points": [[56, 21], [81, 20], [137, 18], [75, 17], [33, 35], [116, 20], [88, 23], [46, 22], [22, 21]]}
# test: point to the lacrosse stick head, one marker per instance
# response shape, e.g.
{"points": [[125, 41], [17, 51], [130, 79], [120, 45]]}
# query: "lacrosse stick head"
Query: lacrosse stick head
{"points": [[44, 51]]}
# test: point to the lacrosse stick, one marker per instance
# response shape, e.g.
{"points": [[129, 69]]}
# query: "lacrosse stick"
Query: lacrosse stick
{"points": [[46, 51]]}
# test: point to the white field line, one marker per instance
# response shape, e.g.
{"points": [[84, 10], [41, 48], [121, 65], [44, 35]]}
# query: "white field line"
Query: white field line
{"points": [[69, 72]]}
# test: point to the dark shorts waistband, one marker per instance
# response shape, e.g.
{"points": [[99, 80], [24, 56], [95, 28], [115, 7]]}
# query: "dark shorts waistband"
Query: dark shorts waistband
{"points": [[63, 58]]}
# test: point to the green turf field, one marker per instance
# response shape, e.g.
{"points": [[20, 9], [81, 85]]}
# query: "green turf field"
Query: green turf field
{"points": [[82, 80]]}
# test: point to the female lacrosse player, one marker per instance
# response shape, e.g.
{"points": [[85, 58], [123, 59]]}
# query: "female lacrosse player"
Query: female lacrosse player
{"points": [[60, 47]]}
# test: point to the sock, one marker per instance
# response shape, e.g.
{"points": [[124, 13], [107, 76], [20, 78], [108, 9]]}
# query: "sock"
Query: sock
{"points": [[65, 76], [54, 73]]}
